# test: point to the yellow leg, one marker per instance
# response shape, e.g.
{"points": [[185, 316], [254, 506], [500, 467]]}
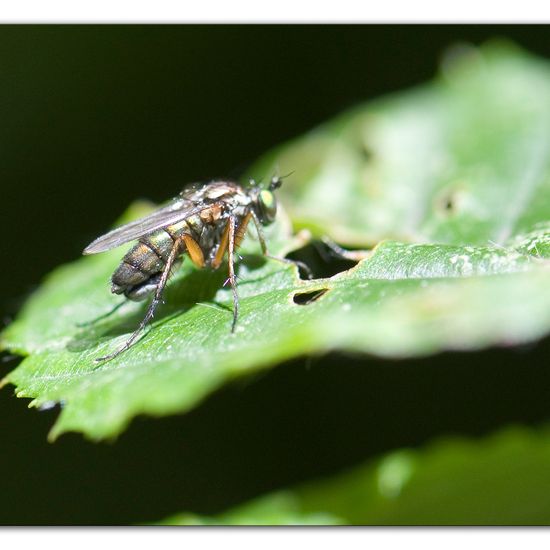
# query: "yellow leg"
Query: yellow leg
{"points": [[194, 250]]}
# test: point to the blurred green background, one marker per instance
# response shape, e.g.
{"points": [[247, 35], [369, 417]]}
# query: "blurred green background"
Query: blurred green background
{"points": [[93, 117]]}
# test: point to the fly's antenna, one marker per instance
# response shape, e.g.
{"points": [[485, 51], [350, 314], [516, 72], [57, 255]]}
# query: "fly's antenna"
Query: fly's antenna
{"points": [[277, 181]]}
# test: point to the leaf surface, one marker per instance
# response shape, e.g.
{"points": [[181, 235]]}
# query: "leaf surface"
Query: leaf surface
{"points": [[455, 190]]}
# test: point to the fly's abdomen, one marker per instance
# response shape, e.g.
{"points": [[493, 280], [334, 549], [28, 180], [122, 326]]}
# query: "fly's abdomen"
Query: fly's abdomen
{"points": [[142, 263], [138, 273], [191, 226]]}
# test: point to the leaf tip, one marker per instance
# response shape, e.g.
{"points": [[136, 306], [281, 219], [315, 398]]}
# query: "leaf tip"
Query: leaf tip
{"points": [[53, 434]]}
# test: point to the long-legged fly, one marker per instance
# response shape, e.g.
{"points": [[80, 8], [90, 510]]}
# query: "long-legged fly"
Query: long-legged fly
{"points": [[205, 222]]}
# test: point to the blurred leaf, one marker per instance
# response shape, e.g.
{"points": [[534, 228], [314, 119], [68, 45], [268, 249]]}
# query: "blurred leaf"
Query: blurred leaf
{"points": [[282, 508], [478, 184], [500, 480], [461, 160]]}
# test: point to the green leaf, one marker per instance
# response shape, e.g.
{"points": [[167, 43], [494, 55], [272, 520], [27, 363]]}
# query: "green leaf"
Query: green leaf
{"points": [[462, 162], [499, 480]]}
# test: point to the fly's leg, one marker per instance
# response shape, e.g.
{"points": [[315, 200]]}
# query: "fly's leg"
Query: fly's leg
{"points": [[260, 232], [231, 262], [157, 299], [102, 316], [261, 238], [339, 252], [304, 267], [230, 239]]}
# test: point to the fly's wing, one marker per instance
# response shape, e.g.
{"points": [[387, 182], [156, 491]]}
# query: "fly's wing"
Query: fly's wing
{"points": [[163, 217]]}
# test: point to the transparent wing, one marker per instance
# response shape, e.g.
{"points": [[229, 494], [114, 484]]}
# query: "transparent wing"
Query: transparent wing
{"points": [[168, 215]]}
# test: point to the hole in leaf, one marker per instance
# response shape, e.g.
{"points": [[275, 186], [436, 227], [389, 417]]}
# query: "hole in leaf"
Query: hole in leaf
{"points": [[306, 298], [447, 202], [321, 260], [367, 152]]}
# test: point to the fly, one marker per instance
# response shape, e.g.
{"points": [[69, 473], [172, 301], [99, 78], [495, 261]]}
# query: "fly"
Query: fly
{"points": [[204, 222]]}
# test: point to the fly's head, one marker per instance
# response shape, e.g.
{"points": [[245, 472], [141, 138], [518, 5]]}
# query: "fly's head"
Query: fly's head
{"points": [[264, 201]]}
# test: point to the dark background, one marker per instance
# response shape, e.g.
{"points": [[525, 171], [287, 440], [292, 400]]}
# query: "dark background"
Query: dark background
{"points": [[92, 117]]}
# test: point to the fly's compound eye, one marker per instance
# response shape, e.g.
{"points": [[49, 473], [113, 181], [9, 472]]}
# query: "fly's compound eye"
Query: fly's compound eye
{"points": [[268, 206]]}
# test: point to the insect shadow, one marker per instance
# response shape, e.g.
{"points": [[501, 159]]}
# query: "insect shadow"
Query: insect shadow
{"points": [[182, 294]]}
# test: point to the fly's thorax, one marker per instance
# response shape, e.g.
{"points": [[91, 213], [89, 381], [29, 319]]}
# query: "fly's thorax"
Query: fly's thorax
{"points": [[238, 205], [192, 226], [212, 214], [220, 190], [209, 240]]}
